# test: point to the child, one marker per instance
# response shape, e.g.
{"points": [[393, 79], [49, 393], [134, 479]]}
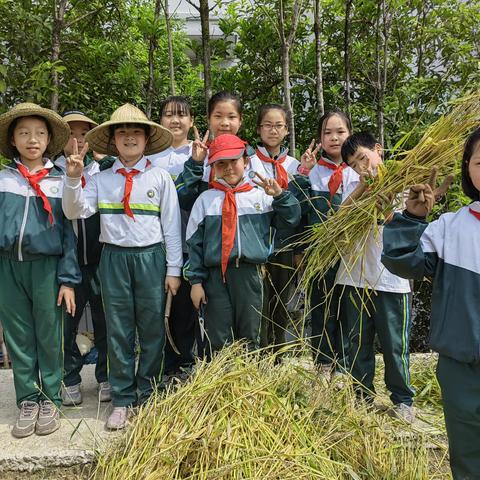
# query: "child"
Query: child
{"points": [[142, 253], [374, 300], [176, 115], [446, 250], [88, 253], [224, 117], [271, 160], [319, 190], [38, 265], [228, 241]]}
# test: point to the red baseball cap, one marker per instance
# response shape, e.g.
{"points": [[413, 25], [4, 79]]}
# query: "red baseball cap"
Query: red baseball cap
{"points": [[226, 147]]}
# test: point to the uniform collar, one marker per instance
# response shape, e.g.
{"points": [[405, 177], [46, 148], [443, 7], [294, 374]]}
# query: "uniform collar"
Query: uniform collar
{"points": [[141, 165], [283, 151], [223, 182]]}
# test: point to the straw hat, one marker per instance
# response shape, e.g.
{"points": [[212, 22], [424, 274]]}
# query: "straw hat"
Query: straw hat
{"points": [[100, 141], [78, 116], [60, 129]]}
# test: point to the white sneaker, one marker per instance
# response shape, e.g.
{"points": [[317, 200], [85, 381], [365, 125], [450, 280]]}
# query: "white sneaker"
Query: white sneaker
{"points": [[117, 419], [71, 395], [404, 412], [104, 392]]}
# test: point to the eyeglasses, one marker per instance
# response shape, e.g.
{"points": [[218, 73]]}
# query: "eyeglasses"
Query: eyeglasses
{"points": [[277, 126]]}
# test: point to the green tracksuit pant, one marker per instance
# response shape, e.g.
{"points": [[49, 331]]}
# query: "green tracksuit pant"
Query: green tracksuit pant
{"points": [[87, 291], [386, 314], [275, 316], [460, 385], [234, 308], [329, 336], [133, 292], [32, 325]]}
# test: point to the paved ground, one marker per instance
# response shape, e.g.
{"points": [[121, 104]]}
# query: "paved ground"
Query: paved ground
{"points": [[81, 433]]}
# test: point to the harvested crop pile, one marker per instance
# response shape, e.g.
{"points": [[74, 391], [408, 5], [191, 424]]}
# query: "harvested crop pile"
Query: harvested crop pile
{"points": [[243, 417]]}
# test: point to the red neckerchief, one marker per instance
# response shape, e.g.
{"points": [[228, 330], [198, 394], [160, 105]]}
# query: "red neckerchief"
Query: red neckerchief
{"points": [[474, 213], [229, 219], [128, 187], [33, 179], [84, 182], [336, 178], [281, 174]]}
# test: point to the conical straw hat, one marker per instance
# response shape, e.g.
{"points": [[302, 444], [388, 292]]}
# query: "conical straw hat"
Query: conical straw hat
{"points": [[99, 138], [60, 129]]}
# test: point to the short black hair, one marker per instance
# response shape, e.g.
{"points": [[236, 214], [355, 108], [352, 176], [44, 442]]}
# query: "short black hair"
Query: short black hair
{"points": [[224, 96], [355, 141], [180, 105], [322, 122], [264, 109], [145, 128], [467, 184]]}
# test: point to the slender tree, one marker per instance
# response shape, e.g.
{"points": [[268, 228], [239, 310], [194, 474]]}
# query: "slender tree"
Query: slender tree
{"points": [[171, 67], [59, 8], [318, 56], [346, 53], [152, 48]]}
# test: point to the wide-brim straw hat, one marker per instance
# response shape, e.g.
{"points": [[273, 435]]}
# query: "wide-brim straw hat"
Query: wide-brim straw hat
{"points": [[60, 129], [77, 116], [99, 138]]}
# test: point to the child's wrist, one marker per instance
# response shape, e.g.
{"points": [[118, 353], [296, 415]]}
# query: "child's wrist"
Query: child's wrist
{"points": [[302, 170]]}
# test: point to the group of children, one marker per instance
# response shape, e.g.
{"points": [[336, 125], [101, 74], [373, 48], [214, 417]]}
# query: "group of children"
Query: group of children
{"points": [[115, 228]]}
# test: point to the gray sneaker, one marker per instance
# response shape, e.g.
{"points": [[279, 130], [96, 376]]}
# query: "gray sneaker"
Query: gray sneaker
{"points": [[117, 419], [72, 395], [48, 418], [26, 420], [404, 412], [104, 392]]}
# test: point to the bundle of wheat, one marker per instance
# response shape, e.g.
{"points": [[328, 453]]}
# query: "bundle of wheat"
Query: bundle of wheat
{"points": [[347, 230], [243, 417]]}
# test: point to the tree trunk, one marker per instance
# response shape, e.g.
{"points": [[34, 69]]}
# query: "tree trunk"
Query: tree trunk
{"points": [[59, 8], [346, 54], [318, 57], [152, 48], [171, 68], [204, 21], [381, 60]]}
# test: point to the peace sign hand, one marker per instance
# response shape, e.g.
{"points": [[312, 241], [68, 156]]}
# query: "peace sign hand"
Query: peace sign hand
{"points": [[199, 146], [309, 158], [422, 196], [75, 161], [270, 185]]}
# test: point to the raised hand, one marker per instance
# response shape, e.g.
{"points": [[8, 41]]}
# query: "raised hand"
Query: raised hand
{"points": [[75, 161], [199, 146], [270, 185], [422, 196], [309, 158]]}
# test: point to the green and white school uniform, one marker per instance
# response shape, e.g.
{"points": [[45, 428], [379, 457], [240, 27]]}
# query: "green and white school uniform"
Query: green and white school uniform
{"points": [[235, 297], [446, 250], [37, 256], [142, 244], [376, 302]]}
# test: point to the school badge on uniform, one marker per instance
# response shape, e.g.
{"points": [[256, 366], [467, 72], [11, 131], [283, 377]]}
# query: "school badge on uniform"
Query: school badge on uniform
{"points": [[151, 193], [54, 190], [257, 206], [251, 174]]}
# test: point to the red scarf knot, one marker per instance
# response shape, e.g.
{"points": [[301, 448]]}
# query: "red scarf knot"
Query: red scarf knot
{"points": [[34, 180], [229, 219], [336, 178], [281, 175]]}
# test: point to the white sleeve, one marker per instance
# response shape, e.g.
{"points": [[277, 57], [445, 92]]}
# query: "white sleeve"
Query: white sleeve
{"points": [[171, 226], [78, 202]]}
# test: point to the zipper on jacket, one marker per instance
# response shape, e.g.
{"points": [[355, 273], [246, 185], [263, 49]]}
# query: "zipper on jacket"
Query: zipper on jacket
{"points": [[23, 225], [84, 237], [239, 243]]}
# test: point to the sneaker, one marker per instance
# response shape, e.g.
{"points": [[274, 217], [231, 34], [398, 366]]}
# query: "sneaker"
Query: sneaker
{"points": [[26, 420], [71, 395], [117, 419], [339, 380], [48, 418], [104, 392], [404, 412]]}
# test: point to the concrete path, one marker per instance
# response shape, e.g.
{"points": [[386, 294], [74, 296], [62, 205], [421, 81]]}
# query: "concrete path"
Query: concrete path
{"points": [[82, 431]]}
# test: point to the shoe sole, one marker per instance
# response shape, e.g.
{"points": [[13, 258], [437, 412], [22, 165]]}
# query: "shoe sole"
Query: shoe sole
{"points": [[47, 431], [23, 434], [69, 403]]}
